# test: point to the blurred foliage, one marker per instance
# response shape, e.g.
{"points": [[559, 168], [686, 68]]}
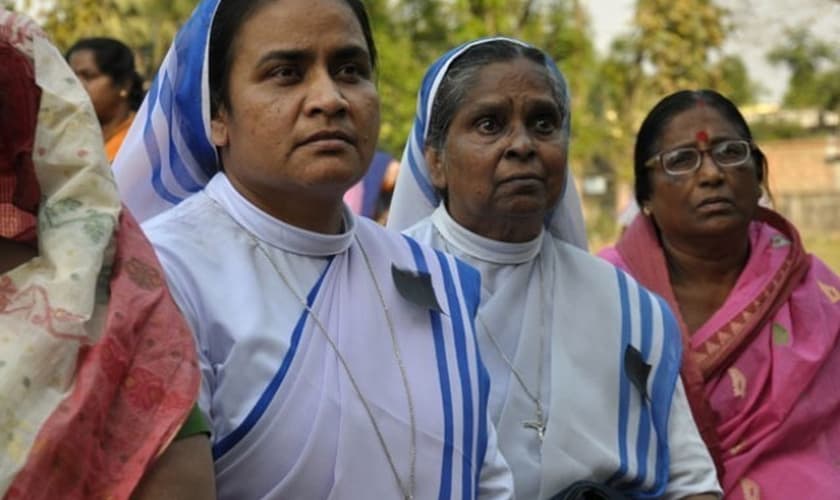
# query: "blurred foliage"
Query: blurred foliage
{"points": [[146, 25], [814, 67]]}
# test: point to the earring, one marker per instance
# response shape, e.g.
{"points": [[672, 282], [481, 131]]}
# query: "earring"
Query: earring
{"points": [[123, 93], [646, 210]]}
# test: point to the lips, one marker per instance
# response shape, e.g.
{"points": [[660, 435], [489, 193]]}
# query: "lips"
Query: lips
{"points": [[715, 200], [524, 177], [716, 203], [327, 136]]}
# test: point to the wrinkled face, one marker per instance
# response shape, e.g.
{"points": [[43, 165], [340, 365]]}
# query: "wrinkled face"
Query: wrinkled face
{"points": [[711, 200], [304, 110], [505, 153], [104, 92]]}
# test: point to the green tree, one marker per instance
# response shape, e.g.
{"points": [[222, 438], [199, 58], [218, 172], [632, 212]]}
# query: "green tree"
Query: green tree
{"points": [[735, 81], [814, 67], [148, 26], [673, 45]]}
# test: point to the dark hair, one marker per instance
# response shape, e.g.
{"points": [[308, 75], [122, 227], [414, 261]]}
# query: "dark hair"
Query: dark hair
{"points": [[463, 73], [647, 140], [230, 16], [116, 60]]}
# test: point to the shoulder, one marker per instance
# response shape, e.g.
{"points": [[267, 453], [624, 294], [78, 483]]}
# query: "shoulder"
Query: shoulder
{"points": [[409, 246], [193, 244], [449, 275], [423, 231], [617, 293], [183, 221], [583, 264]]}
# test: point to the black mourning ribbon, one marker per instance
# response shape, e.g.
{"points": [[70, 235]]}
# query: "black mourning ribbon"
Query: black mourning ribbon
{"points": [[636, 370], [416, 287]]}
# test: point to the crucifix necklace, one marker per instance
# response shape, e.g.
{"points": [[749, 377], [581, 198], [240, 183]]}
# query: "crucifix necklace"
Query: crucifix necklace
{"points": [[539, 423]]}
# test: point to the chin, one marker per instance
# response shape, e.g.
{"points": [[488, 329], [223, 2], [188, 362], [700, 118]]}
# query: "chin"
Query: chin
{"points": [[524, 209], [720, 226]]}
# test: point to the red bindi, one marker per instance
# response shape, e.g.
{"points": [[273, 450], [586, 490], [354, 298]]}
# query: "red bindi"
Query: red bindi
{"points": [[702, 136]]}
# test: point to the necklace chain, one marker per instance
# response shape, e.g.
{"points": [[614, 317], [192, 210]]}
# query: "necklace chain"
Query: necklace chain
{"points": [[407, 490], [539, 425]]}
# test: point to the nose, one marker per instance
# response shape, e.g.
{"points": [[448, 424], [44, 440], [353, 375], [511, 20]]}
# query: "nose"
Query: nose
{"points": [[709, 171], [521, 145], [324, 95]]}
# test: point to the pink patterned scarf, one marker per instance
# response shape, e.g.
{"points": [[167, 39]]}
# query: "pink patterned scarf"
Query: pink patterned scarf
{"points": [[760, 373]]}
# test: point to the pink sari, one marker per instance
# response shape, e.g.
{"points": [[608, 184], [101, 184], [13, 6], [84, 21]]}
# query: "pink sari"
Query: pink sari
{"points": [[760, 373]]}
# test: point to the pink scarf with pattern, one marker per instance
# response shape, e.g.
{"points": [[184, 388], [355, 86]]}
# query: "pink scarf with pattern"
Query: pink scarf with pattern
{"points": [[760, 373]]}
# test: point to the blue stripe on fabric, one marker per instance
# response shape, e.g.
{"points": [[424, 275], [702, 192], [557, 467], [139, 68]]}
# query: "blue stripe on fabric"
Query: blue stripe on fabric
{"points": [[191, 49], [471, 287], [225, 444], [664, 385], [643, 434], [152, 149], [464, 375], [176, 165], [445, 386], [624, 382]]}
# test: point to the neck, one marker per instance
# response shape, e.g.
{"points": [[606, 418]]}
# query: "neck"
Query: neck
{"points": [[511, 230], [706, 260], [320, 214], [112, 125]]}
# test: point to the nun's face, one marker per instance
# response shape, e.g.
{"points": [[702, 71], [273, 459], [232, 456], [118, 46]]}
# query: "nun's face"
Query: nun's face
{"points": [[303, 118], [504, 161]]}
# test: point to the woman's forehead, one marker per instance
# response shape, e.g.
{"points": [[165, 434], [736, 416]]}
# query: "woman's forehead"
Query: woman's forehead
{"points": [[697, 124], [510, 77]]}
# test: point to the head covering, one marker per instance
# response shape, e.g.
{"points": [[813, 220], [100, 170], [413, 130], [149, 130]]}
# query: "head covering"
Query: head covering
{"points": [[168, 155], [414, 195], [98, 368]]}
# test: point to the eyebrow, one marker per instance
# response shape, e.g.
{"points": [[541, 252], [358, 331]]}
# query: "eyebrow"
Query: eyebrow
{"points": [[283, 55], [712, 141], [298, 55]]}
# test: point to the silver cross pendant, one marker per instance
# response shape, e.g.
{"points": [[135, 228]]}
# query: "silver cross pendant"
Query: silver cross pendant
{"points": [[536, 425]]}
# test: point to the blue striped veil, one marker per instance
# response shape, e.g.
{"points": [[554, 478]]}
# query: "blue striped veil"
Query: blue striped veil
{"points": [[414, 196], [167, 155]]}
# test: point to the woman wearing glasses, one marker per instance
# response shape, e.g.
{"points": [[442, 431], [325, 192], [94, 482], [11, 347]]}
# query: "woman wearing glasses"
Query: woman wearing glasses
{"points": [[760, 317]]}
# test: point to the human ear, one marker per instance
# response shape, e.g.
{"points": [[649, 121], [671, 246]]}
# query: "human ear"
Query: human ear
{"points": [[437, 171], [219, 129]]}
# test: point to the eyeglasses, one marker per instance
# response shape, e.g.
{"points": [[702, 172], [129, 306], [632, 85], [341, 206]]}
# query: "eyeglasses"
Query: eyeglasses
{"points": [[685, 160]]}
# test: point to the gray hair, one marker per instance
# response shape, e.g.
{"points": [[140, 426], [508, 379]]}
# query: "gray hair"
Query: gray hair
{"points": [[463, 74]]}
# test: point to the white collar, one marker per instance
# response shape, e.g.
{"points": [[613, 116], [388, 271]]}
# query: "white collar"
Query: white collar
{"points": [[481, 248], [274, 231]]}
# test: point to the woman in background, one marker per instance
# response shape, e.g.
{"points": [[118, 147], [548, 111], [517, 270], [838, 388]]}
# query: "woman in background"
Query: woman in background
{"points": [[105, 67], [760, 317]]}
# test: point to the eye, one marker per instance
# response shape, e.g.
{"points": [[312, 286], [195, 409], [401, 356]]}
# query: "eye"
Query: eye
{"points": [[488, 125], [680, 160], [286, 73], [731, 153], [545, 124], [353, 72]]}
